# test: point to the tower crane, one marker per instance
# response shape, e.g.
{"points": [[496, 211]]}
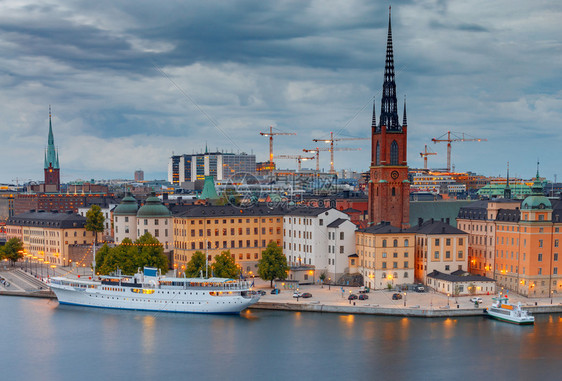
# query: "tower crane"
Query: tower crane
{"points": [[331, 149], [453, 137], [271, 134], [299, 159], [425, 154]]}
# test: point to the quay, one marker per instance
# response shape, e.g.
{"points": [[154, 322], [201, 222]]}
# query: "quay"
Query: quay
{"points": [[325, 299]]}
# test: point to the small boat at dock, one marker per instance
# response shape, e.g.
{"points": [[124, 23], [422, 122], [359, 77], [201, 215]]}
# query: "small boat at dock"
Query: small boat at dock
{"points": [[502, 310]]}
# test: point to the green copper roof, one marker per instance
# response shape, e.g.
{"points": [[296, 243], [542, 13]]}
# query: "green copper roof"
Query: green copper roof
{"points": [[153, 208], [536, 202], [51, 156], [209, 192], [128, 207]]}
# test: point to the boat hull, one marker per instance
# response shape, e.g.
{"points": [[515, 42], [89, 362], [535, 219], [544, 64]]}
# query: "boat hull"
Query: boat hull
{"points": [[506, 319], [160, 301]]}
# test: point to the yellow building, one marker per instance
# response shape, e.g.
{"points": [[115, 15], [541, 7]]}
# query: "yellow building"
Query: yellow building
{"points": [[386, 255], [246, 232], [47, 236]]}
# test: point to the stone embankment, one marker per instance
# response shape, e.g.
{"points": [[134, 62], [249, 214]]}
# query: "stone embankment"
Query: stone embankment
{"points": [[20, 283], [392, 311]]}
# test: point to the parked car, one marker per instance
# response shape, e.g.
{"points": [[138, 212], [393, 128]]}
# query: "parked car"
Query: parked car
{"points": [[396, 296], [419, 289], [297, 295], [363, 297], [275, 291], [306, 295], [476, 300], [261, 292], [352, 297], [364, 290]]}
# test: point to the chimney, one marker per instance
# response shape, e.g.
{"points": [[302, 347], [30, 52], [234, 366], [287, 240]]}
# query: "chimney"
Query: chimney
{"points": [[448, 220], [420, 221]]}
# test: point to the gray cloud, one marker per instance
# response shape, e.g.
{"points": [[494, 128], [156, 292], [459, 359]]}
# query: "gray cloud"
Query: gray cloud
{"points": [[305, 66]]}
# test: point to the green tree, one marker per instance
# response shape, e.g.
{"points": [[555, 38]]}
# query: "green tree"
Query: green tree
{"points": [[322, 278], [94, 221], [130, 256], [12, 250], [273, 264], [224, 266], [197, 265]]}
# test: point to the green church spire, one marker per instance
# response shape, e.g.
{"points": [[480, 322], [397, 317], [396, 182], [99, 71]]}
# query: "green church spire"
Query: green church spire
{"points": [[51, 156]]}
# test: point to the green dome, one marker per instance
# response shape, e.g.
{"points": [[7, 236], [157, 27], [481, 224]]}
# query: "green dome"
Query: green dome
{"points": [[153, 208], [536, 202], [128, 207]]}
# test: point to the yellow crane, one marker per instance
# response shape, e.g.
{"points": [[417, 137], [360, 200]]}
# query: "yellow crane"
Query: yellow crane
{"points": [[299, 159], [453, 137], [425, 154], [271, 134], [331, 149]]}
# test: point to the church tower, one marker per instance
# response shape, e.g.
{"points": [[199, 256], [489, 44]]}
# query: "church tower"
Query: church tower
{"points": [[389, 187], [51, 167]]}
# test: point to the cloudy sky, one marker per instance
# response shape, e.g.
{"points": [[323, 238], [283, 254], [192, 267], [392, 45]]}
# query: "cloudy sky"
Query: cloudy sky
{"points": [[131, 82]]}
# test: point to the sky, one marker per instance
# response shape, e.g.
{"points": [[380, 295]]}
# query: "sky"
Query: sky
{"points": [[132, 82]]}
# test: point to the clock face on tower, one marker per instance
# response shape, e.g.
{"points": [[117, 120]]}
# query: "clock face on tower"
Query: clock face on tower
{"points": [[394, 175]]}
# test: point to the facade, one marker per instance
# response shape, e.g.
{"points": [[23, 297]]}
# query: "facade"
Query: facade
{"points": [[47, 236], [527, 256], [106, 211], [57, 201], [385, 255], [152, 217], [246, 232], [478, 219], [389, 187], [139, 175], [439, 246], [220, 165], [460, 283], [322, 238]]}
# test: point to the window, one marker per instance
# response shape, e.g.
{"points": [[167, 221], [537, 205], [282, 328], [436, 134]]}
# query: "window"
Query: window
{"points": [[341, 250], [540, 242], [378, 154], [384, 255], [321, 222], [555, 270], [394, 265], [447, 254], [555, 243], [540, 270], [156, 221], [460, 241], [393, 191], [395, 243], [436, 255], [394, 153], [384, 267], [448, 241], [555, 256], [406, 264], [145, 221], [384, 243], [126, 219], [540, 257], [341, 235], [406, 243], [436, 241], [405, 274], [447, 268]]}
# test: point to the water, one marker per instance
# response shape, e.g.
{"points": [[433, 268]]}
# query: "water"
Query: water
{"points": [[43, 341]]}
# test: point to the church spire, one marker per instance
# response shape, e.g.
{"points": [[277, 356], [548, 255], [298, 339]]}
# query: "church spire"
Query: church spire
{"points": [[507, 189], [389, 110], [51, 157]]}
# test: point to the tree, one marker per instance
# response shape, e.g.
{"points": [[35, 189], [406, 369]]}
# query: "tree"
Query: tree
{"points": [[273, 264], [196, 265], [224, 266], [129, 256], [94, 221], [322, 278], [12, 250]]}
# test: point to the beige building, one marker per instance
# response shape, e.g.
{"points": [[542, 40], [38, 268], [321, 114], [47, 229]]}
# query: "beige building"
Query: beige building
{"points": [[440, 247], [461, 283], [246, 232], [385, 255], [47, 236]]}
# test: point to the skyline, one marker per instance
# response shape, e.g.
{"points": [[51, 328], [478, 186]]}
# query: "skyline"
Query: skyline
{"points": [[130, 85]]}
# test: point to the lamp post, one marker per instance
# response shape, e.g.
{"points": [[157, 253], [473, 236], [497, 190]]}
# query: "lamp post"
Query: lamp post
{"points": [[551, 296], [404, 299], [329, 283], [448, 299]]}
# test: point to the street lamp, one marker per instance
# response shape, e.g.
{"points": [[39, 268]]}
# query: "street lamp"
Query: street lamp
{"points": [[404, 299], [551, 296], [448, 299], [329, 283]]}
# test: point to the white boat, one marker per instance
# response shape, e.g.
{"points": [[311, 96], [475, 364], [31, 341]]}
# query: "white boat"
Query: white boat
{"points": [[501, 309], [150, 291]]}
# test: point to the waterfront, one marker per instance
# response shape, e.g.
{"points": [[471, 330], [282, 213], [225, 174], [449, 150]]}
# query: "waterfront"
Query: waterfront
{"points": [[46, 342]]}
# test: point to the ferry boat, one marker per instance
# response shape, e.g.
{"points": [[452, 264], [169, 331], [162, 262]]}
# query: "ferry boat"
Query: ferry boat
{"points": [[502, 310], [149, 291]]}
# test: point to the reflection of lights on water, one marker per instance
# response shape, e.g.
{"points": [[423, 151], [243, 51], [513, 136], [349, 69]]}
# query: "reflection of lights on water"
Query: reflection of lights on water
{"points": [[404, 322], [148, 323], [347, 319]]}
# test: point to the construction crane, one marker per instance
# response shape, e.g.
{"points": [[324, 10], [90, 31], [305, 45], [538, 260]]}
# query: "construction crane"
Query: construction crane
{"points": [[316, 153], [331, 149], [299, 159], [454, 138], [271, 134], [425, 154]]}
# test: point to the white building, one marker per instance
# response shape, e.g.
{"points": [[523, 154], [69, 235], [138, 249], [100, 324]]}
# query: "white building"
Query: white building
{"points": [[106, 211], [319, 237], [132, 222]]}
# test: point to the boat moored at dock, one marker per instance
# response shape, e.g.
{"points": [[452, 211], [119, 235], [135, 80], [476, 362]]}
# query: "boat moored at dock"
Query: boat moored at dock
{"points": [[150, 291], [502, 310]]}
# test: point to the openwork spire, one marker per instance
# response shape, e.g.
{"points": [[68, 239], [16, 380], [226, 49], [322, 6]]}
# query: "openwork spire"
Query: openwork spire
{"points": [[389, 110], [405, 119]]}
